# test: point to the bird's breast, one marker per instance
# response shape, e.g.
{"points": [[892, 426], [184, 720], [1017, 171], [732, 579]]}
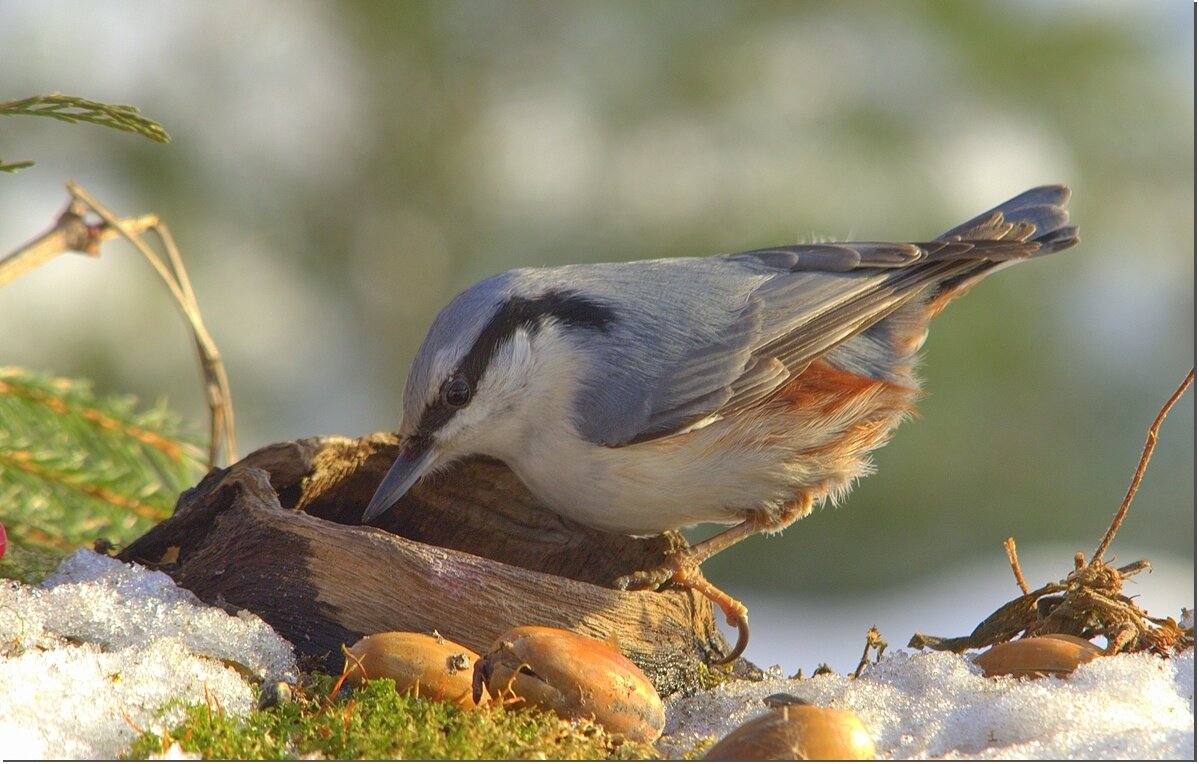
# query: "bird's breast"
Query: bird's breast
{"points": [[812, 438]]}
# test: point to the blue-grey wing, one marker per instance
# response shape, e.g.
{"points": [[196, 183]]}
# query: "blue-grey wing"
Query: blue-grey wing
{"points": [[706, 337]]}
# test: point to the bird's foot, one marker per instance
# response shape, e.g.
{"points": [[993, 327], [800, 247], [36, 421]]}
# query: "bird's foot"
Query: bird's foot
{"points": [[642, 580], [681, 570]]}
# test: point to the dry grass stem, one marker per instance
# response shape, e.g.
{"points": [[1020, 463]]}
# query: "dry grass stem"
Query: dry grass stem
{"points": [[216, 387], [73, 233]]}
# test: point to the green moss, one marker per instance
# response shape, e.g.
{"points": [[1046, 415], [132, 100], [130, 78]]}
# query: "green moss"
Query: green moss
{"points": [[711, 677], [377, 723], [29, 565]]}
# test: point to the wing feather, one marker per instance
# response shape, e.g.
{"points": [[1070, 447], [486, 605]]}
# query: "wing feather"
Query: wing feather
{"points": [[802, 301]]}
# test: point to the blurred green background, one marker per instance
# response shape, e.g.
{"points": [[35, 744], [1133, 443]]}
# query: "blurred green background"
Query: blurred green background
{"points": [[339, 170]]}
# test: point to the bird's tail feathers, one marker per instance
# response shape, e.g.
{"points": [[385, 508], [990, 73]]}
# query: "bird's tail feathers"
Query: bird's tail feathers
{"points": [[1037, 218]]}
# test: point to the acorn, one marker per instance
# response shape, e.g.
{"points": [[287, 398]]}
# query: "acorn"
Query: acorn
{"points": [[574, 676], [1056, 654], [426, 665], [796, 732]]}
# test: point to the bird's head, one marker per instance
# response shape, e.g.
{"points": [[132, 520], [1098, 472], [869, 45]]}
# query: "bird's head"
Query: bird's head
{"points": [[501, 358]]}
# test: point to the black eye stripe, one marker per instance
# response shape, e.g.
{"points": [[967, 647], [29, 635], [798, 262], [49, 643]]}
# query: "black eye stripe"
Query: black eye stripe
{"points": [[567, 307]]}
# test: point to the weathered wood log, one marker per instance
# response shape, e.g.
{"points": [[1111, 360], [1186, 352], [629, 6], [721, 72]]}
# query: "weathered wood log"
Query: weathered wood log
{"points": [[469, 553]]}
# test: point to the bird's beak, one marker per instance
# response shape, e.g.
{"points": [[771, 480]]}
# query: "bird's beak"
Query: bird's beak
{"points": [[407, 469]]}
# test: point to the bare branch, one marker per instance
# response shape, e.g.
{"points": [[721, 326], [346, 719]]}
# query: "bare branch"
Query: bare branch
{"points": [[71, 233], [1010, 547], [1150, 442]]}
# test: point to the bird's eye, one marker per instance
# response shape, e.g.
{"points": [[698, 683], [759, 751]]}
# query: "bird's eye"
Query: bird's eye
{"points": [[456, 393]]}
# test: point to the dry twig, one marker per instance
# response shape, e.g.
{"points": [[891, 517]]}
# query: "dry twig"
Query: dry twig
{"points": [[1088, 602], [875, 641], [73, 233], [1014, 561], [1150, 442]]}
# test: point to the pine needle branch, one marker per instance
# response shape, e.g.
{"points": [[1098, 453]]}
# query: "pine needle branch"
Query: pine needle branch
{"points": [[74, 109], [74, 466], [57, 398], [12, 167]]}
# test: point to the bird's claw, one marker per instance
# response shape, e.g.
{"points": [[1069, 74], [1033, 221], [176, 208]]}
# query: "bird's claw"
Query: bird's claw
{"points": [[687, 574], [645, 579]]}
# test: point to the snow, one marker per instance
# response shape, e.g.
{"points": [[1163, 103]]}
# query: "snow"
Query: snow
{"points": [[939, 705], [101, 648]]}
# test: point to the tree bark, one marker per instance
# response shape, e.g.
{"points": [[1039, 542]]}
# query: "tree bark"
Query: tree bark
{"points": [[469, 553]]}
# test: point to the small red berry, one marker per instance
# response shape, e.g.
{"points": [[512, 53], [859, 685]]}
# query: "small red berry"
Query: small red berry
{"points": [[3, 540]]}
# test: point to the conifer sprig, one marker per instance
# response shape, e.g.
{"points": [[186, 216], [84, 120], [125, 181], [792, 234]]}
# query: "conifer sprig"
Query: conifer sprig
{"points": [[75, 109], [74, 467]]}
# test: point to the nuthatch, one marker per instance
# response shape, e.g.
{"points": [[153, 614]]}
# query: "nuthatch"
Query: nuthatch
{"points": [[737, 389]]}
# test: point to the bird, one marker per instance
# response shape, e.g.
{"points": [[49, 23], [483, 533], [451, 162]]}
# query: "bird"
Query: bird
{"points": [[738, 389]]}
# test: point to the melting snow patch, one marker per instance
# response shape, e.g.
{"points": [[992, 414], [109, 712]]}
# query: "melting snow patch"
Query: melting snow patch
{"points": [[101, 649], [939, 705]]}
